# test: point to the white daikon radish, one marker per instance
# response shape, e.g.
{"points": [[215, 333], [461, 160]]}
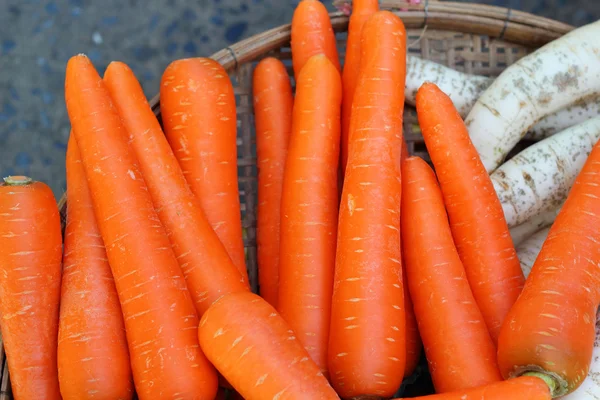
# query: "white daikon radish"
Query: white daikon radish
{"points": [[541, 83], [530, 248], [521, 233], [463, 89], [590, 388], [540, 177], [569, 116]]}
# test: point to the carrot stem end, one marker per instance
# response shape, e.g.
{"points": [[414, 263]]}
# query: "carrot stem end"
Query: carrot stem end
{"points": [[17, 180], [553, 383]]}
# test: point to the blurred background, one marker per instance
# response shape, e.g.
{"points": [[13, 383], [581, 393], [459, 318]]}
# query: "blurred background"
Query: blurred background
{"points": [[37, 37]]}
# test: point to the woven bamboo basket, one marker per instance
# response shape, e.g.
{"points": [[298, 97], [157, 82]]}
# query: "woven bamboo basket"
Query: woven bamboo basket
{"points": [[473, 38]]}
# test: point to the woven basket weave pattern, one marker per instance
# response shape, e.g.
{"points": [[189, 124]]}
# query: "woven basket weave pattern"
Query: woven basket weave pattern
{"points": [[473, 38]]}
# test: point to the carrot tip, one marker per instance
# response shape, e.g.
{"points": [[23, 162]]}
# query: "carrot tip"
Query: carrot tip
{"points": [[17, 180]]}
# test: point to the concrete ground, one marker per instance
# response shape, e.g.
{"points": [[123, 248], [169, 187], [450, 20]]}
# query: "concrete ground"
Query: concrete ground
{"points": [[38, 36]]}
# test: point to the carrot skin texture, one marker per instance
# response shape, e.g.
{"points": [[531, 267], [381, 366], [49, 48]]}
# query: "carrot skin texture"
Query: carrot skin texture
{"points": [[551, 327], [476, 218], [312, 34], [30, 276], [368, 308], [273, 104], [257, 352], [459, 349], [160, 317], [205, 263], [523, 388], [89, 306], [361, 11], [199, 119], [309, 207], [414, 345]]}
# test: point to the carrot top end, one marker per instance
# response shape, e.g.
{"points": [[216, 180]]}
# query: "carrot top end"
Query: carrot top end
{"points": [[558, 386], [17, 180]]}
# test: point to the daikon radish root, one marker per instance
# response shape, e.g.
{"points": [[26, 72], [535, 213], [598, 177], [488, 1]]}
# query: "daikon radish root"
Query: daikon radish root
{"points": [[572, 115], [539, 178], [554, 76], [590, 388], [522, 232], [463, 89], [529, 250]]}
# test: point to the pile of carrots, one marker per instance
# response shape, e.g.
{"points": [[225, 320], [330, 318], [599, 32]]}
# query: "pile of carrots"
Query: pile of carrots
{"points": [[366, 256]]}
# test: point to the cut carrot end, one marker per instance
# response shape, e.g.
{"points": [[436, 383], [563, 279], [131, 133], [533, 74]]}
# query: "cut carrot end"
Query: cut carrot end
{"points": [[558, 386], [17, 180]]}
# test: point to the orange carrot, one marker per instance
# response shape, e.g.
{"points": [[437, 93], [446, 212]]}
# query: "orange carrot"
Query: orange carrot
{"points": [[368, 309], [312, 34], [273, 103], [198, 111], [256, 350], [550, 331], [412, 335], [30, 258], [414, 345], [361, 11], [475, 213], [309, 207], [458, 346], [160, 318], [525, 388], [89, 304], [207, 267]]}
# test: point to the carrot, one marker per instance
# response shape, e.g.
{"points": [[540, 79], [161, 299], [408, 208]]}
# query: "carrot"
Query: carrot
{"points": [[273, 103], [368, 310], [89, 305], [550, 330], [309, 207], [160, 318], [256, 350], [361, 11], [524, 388], [475, 213], [414, 345], [199, 119], [437, 281], [206, 266], [312, 34], [30, 258]]}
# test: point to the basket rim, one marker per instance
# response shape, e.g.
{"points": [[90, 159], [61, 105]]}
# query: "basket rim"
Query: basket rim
{"points": [[504, 23]]}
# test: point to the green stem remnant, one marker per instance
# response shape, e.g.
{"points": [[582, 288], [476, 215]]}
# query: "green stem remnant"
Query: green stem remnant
{"points": [[17, 180], [550, 380]]}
